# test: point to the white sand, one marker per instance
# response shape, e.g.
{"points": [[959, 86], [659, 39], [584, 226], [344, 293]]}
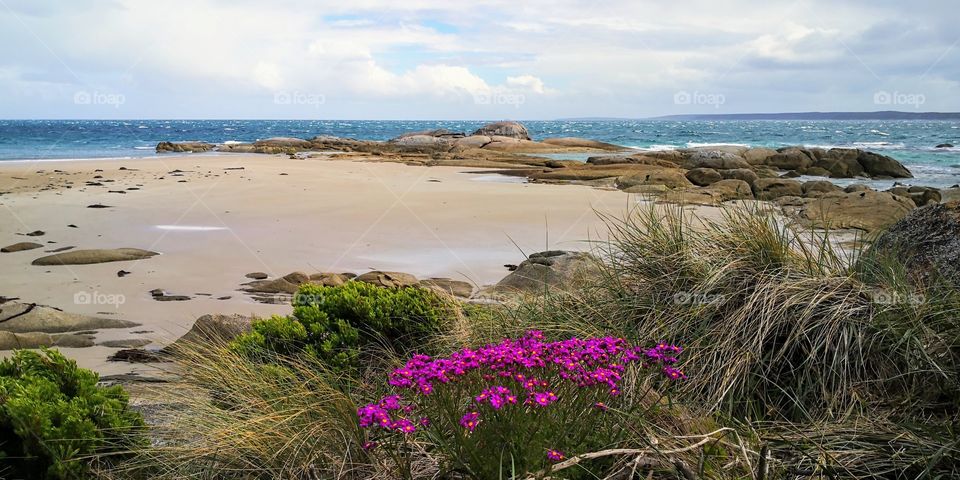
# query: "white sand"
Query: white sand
{"points": [[323, 216]]}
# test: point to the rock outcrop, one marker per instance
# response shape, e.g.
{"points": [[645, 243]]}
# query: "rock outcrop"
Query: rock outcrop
{"points": [[20, 247], [504, 129], [550, 271], [184, 147], [869, 211]]}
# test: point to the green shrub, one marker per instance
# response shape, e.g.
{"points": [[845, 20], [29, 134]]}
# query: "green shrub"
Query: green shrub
{"points": [[54, 416], [334, 324]]}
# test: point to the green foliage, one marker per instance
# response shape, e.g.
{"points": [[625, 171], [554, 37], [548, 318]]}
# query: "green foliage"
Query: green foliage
{"points": [[53, 415], [335, 324]]}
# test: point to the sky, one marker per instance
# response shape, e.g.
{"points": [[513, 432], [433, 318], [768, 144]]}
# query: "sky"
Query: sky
{"points": [[441, 59]]}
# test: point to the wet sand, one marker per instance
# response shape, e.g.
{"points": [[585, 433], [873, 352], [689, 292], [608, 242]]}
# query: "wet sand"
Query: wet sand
{"points": [[213, 222]]}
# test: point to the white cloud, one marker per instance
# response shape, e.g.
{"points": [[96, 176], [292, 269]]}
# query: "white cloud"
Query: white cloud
{"points": [[566, 57]]}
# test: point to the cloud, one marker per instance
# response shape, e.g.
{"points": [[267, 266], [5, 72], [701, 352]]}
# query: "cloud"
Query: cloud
{"points": [[429, 58]]}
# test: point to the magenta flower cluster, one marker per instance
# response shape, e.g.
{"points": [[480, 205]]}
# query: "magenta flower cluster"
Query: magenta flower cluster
{"points": [[525, 363]]}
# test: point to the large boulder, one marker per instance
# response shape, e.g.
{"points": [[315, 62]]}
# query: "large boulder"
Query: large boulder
{"points": [[671, 178], [841, 162], [744, 174], [554, 270], [791, 159], [30, 317], [868, 211], [927, 240], [772, 188], [86, 257], [731, 189], [759, 155], [214, 329], [504, 129], [816, 188], [877, 165], [703, 176], [715, 159]]}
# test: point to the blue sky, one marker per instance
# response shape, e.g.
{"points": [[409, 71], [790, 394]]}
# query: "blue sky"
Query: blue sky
{"points": [[430, 59]]}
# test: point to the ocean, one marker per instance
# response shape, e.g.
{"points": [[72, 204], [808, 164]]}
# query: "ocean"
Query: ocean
{"points": [[912, 142]]}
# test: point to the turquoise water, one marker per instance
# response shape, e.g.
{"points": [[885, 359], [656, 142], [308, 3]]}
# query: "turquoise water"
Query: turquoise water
{"points": [[910, 141]]}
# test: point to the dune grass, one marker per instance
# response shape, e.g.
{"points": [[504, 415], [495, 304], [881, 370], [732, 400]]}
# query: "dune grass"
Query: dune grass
{"points": [[806, 357]]}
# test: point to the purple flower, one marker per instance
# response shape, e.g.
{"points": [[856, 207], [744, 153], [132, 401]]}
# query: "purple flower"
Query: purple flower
{"points": [[555, 455], [470, 420]]}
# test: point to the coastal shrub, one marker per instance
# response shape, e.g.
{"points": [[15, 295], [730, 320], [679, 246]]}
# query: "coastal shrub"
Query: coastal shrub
{"points": [[336, 323], [518, 407], [54, 417]]}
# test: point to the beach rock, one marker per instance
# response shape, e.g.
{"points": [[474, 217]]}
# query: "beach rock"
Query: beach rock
{"points": [[731, 189], [703, 176], [504, 129], [388, 279], [758, 156], [456, 288], [927, 240], [137, 355], [868, 211], [213, 329], [575, 142], [816, 171], [278, 285], [284, 142], [671, 178], [791, 158], [771, 188], [647, 189], [14, 341], [36, 233], [877, 165], [653, 158], [436, 133], [818, 188], [841, 162], [329, 279], [473, 141], [421, 141], [594, 172], [29, 317], [20, 247], [554, 270], [923, 196], [85, 257], [715, 159], [257, 276], [744, 174], [945, 145], [184, 147], [857, 187]]}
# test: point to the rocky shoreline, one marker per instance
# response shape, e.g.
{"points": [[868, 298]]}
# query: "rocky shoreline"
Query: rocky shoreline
{"points": [[702, 176]]}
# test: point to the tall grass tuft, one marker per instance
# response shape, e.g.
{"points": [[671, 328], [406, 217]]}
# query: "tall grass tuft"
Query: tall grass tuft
{"points": [[779, 323]]}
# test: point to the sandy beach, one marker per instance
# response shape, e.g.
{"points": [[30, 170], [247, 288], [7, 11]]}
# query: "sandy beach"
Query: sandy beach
{"points": [[215, 218]]}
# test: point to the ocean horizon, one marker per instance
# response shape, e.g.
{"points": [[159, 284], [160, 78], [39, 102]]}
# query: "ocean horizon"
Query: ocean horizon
{"points": [[912, 142]]}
